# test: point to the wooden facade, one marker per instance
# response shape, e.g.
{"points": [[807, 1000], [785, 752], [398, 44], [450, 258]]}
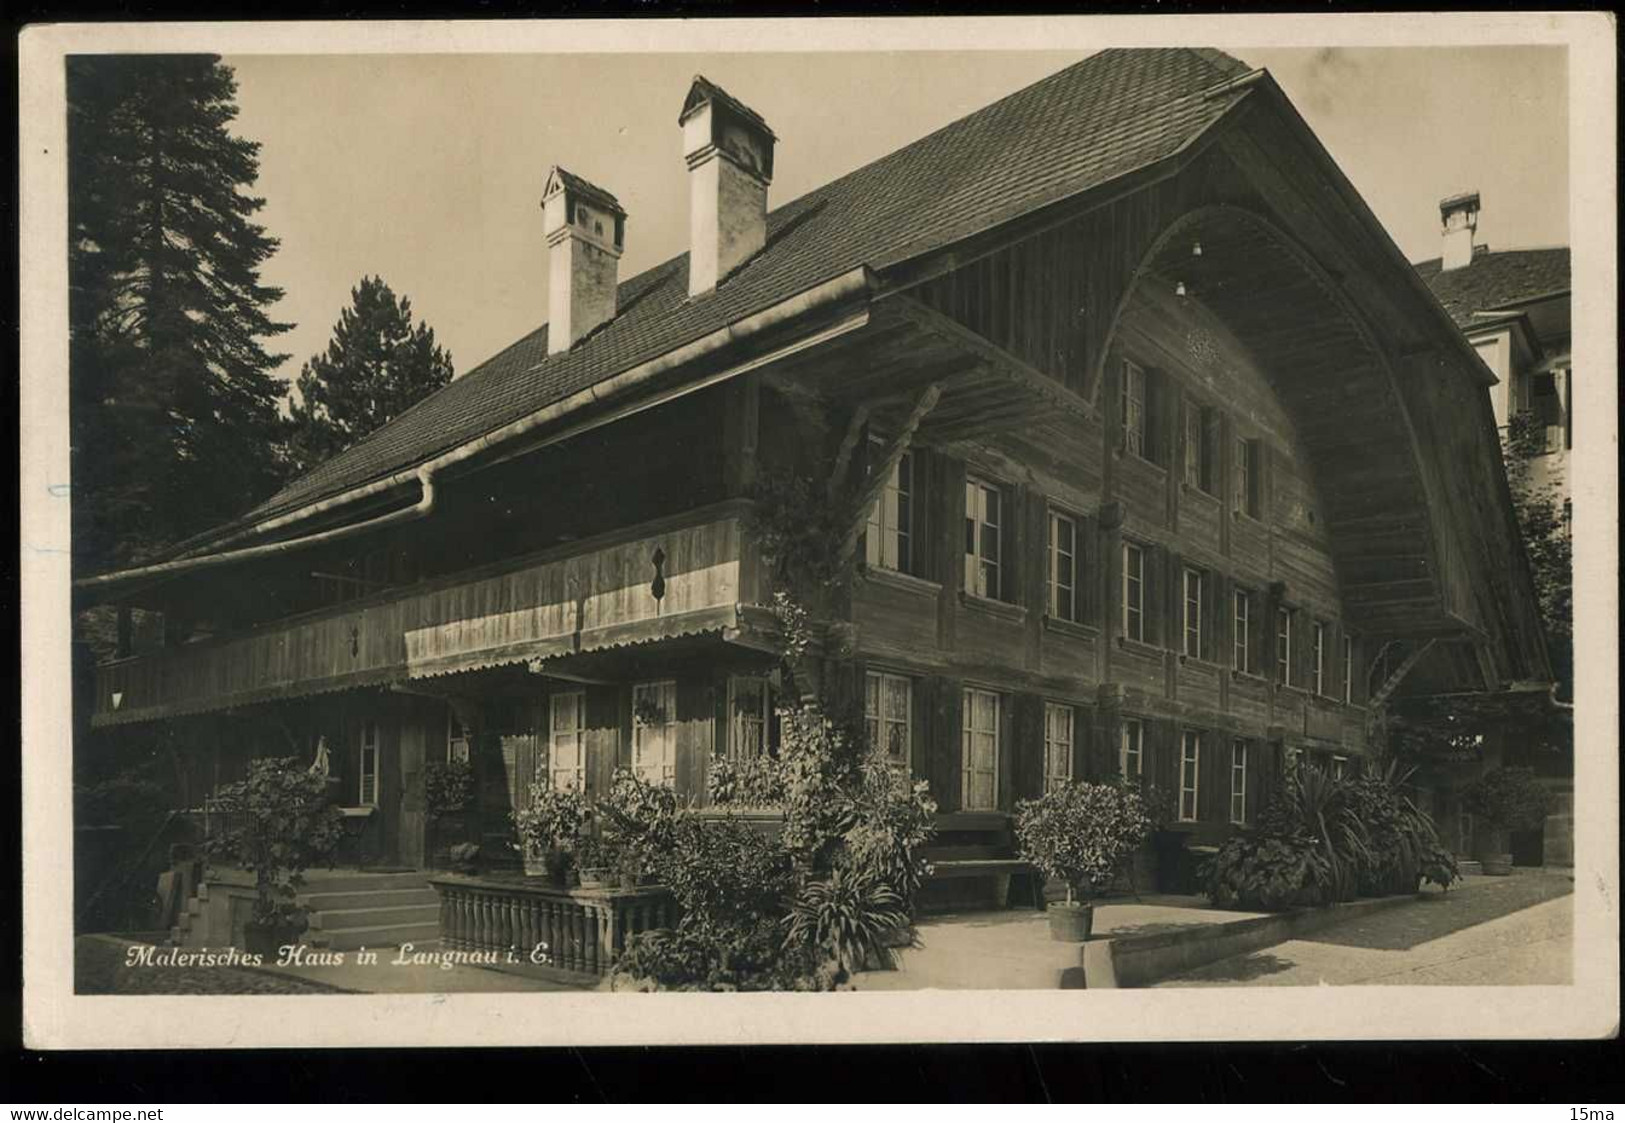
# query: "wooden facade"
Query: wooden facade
{"points": [[1174, 463]]}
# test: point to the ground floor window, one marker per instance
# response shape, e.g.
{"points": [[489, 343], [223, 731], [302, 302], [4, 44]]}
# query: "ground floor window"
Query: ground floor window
{"points": [[981, 749], [654, 731], [1057, 745], [1340, 767], [456, 738], [566, 742], [368, 794], [888, 715], [1238, 782], [1128, 753], [1190, 759], [750, 717]]}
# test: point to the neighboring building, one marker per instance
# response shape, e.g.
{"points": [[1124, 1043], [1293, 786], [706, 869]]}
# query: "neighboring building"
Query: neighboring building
{"points": [[1169, 444], [1514, 307]]}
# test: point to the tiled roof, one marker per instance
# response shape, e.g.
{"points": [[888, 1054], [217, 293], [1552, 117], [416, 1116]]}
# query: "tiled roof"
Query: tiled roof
{"points": [[1111, 114], [1494, 280]]}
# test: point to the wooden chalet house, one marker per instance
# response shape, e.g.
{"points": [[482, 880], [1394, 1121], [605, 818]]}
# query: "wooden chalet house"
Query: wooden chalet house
{"points": [[1168, 443]]}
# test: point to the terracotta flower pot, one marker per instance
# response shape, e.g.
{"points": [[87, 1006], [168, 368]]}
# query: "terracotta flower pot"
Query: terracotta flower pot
{"points": [[1071, 922]]}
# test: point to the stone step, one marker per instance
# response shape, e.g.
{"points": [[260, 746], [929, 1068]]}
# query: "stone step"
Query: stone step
{"points": [[373, 936], [367, 898], [351, 881], [330, 920]]}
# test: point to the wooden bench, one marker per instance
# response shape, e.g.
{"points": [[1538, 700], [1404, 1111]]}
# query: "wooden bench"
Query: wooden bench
{"points": [[1001, 870]]}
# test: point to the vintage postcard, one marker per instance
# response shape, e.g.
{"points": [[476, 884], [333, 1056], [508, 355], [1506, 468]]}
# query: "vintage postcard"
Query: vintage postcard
{"points": [[833, 531]]}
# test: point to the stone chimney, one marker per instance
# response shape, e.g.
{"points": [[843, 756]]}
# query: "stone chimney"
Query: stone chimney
{"points": [[586, 229], [729, 149], [1459, 216]]}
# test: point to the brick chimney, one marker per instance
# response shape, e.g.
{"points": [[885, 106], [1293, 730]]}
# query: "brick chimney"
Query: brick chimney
{"points": [[729, 150], [1459, 217], [586, 229]]}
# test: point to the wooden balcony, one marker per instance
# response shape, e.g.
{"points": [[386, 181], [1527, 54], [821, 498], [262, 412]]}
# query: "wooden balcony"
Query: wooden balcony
{"points": [[580, 930], [692, 574]]}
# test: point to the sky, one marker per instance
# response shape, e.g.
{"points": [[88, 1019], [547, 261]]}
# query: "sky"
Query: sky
{"points": [[427, 170]]}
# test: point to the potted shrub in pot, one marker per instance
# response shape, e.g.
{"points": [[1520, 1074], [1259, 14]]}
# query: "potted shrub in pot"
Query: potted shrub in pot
{"points": [[1079, 834], [597, 863], [279, 823], [550, 830], [1507, 799]]}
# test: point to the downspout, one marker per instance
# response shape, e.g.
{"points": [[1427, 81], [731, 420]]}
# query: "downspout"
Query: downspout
{"points": [[839, 288]]}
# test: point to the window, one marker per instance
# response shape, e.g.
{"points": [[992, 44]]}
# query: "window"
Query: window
{"points": [[1199, 425], [1238, 782], [1318, 653], [1134, 413], [888, 709], [1340, 767], [1128, 753], [1133, 592], [980, 750], [1063, 567], [1348, 669], [368, 795], [567, 742], [983, 525], [750, 717], [1190, 758], [1546, 403], [1057, 745], [1247, 477], [1244, 631], [888, 542], [1193, 613], [654, 731], [456, 738], [1283, 646]]}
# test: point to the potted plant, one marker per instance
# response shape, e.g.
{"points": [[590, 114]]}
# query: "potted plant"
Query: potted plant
{"points": [[465, 857], [1506, 799], [278, 823], [597, 863], [1079, 834], [550, 829], [448, 791]]}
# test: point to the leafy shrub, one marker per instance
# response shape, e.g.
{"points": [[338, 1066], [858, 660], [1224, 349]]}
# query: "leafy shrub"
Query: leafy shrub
{"points": [[753, 782], [1508, 799], [1081, 833], [702, 958], [892, 821], [448, 787], [723, 873], [279, 824], [847, 915], [554, 819], [1263, 871], [1315, 805], [1402, 844]]}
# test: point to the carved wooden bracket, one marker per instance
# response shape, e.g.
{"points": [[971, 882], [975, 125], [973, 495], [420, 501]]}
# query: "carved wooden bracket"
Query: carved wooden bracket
{"points": [[1406, 665], [877, 480], [849, 442]]}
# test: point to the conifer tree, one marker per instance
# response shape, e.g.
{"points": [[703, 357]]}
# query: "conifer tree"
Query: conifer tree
{"points": [[376, 366], [173, 397]]}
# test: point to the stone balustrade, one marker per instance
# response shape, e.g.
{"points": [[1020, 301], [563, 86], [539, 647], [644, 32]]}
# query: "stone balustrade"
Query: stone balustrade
{"points": [[580, 930]]}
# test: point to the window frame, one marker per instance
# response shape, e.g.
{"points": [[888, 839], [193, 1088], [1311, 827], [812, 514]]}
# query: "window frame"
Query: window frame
{"points": [[667, 766], [1200, 453], [1056, 518], [1340, 766], [368, 746], [1239, 763], [891, 518], [1348, 669], [1134, 726], [968, 732], [1133, 609], [882, 722], [1248, 482], [1190, 755], [1191, 625], [457, 734], [1057, 747], [1241, 622], [738, 719], [1285, 629], [557, 736], [1135, 413], [977, 564], [1317, 649]]}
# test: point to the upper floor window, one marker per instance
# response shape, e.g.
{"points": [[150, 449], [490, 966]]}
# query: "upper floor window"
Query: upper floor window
{"points": [[654, 731], [1192, 646], [1243, 612], [1136, 418], [1063, 567], [1057, 745], [1247, 498], [367, 796], [1200, 423], [888, 715], [889, 537], [1133, 592], [567, 741], [1129, 758], [1318, 659], [1284, 644], [984, 523], [1190, 768], [750, 717]]}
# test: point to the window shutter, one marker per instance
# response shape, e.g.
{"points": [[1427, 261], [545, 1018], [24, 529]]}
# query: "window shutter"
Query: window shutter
{"points": [[1023, 758], [1085, 756]]}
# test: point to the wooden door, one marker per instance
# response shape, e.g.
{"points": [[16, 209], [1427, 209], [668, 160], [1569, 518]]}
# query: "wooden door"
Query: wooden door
{"points": [[980, 750]]}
